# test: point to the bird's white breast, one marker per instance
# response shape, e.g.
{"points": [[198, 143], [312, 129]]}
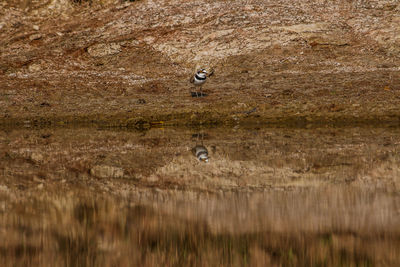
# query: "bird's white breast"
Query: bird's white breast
{"points": [[199, 81]]}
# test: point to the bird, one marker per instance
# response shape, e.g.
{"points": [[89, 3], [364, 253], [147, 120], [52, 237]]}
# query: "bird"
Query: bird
{"points": [[201, 153], [198, 79]]}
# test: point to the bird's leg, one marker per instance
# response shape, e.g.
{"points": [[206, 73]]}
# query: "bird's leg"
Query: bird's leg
{"points": [[201, 91], [195, 90]]}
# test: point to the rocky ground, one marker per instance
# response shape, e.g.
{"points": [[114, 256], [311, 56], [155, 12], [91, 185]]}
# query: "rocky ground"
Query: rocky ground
{"points": [[294, 61]]}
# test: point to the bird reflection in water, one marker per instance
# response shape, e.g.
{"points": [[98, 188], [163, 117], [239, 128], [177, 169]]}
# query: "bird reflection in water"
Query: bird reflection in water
{"points": [[200, 151]]}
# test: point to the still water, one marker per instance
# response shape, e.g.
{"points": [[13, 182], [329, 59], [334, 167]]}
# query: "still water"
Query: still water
{"points": [[199, 197]]}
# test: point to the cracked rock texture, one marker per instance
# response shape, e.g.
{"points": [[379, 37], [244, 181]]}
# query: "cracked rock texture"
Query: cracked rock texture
{"points": [[313, 61]]}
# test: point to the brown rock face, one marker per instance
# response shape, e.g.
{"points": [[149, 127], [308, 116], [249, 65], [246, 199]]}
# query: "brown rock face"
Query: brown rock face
{"points": [[97, 60]]}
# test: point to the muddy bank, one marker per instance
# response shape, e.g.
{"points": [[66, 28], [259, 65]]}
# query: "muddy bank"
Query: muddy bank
{"points": [[204, 118], [119, 63]]}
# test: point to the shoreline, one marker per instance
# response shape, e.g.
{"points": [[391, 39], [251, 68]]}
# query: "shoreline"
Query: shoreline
{"points": [[202, 119]]}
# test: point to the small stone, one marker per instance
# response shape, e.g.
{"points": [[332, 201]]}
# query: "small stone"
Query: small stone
{"points": [[35, 36], [40, 186], [35, 27], [36, 157], [123, 6], [34, 67], [141, 101], [104, 171], [45, 104]]}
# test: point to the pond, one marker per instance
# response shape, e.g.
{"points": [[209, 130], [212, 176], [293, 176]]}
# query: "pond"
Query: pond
{"points": [[86, 196]]}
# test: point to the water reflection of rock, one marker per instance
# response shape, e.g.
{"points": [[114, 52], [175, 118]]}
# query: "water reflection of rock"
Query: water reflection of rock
{"points": [[200, 151]]}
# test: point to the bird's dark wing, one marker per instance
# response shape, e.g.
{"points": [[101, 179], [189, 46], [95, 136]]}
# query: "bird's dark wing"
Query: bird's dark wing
{"points": [[191, 79]]}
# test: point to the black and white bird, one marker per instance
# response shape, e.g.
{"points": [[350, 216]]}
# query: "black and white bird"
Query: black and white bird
{"points": [[198, 79], [201, 153]]}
